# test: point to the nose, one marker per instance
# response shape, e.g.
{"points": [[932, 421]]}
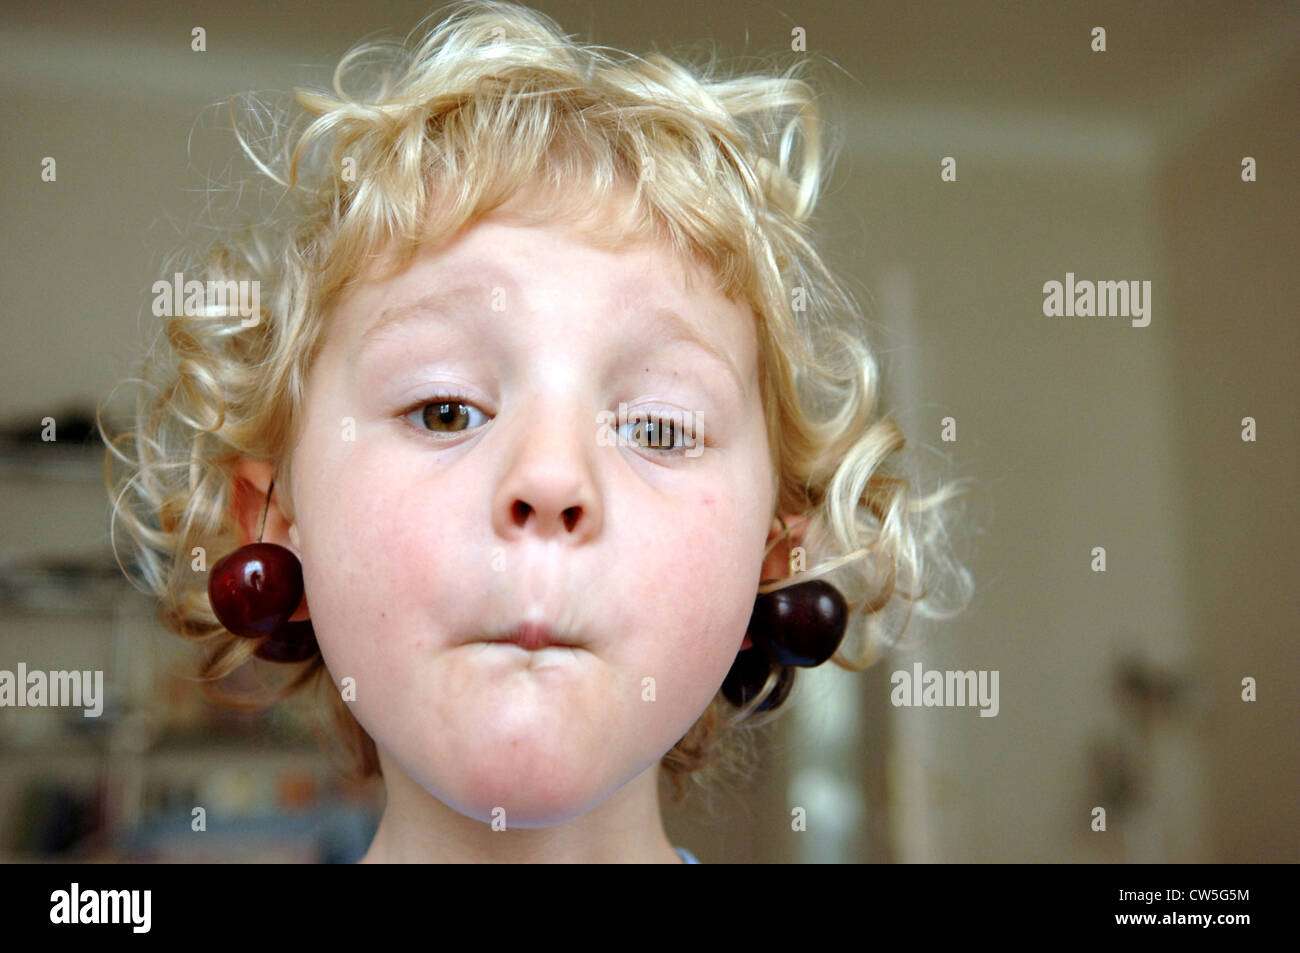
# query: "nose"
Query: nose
{"points": [[549, 488]]}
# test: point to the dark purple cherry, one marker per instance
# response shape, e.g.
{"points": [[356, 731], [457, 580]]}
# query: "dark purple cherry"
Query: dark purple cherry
{"points": [[747, 677], [255, 589], [801, 624], [292, 642]]}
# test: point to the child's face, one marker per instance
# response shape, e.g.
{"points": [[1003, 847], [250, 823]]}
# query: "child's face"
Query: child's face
{"points": [[417, 543]]}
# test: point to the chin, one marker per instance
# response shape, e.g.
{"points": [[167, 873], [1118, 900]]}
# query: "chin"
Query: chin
{"points": [[534, 788]]}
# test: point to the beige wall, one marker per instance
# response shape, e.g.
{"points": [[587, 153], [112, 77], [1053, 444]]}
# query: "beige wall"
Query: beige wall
{"points": [[1232, 250]]}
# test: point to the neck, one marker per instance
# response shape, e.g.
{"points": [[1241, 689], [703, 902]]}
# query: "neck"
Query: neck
{"points": [[418, 828]]}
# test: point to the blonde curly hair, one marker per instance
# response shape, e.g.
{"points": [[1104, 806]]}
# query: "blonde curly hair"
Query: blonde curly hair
{"points": [[495, 97]]}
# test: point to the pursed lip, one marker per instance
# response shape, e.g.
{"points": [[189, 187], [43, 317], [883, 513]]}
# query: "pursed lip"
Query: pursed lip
{"points": [[533, 635]]}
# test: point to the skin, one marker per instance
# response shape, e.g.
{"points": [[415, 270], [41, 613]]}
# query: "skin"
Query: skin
{"points": [[414, 541]]}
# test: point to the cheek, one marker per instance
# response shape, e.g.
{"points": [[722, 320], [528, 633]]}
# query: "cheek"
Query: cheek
{"points": [[695, 601], [374, 549]]}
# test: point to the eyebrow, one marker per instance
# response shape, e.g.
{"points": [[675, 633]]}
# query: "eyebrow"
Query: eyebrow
{"points": [[457, 298]]}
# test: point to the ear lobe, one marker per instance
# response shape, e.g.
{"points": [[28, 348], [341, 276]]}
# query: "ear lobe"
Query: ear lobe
{"points": [[777, 563], [247, 493], [249, 486], [303, 612]]}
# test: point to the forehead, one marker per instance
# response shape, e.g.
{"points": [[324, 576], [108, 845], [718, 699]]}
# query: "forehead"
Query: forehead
{"points": [[548, 268], [553, 259]]}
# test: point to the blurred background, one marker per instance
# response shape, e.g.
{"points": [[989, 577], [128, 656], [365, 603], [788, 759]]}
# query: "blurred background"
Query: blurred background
{"points": [[1120, 689]]}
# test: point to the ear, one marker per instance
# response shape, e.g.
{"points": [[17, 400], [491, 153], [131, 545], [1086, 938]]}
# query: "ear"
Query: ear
{"points": [[252, 479], [777, 563]]}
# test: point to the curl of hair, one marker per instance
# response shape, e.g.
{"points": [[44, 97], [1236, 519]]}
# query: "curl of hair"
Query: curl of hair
{"points": [[419, 144]]}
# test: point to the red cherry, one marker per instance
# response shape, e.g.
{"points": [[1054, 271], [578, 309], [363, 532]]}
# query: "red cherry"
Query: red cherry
{"points": [[748, 675], [292, 642], [801, 624], [255, 589]]}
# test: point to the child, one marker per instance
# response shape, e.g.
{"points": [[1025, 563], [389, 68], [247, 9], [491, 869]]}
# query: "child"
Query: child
{"points": [[547, 388]]}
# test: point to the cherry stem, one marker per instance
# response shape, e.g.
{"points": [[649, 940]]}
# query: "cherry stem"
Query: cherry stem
{"points": [[264, 509]]}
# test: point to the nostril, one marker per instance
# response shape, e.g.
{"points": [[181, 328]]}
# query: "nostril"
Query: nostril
{"points": [[521, 511], [571, 517]]}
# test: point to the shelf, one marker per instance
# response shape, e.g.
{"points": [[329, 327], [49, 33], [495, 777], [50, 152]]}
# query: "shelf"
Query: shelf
{"points": [[81, 585], [217, 744], [199, 751], [68, 460]]}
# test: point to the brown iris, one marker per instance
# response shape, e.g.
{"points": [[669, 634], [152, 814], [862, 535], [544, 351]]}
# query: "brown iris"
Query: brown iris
{"points": [[651, 433], [451, 416]]}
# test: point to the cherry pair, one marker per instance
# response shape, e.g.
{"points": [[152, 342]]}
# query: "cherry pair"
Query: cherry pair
{"points": [[255, 590], [799, 626]]}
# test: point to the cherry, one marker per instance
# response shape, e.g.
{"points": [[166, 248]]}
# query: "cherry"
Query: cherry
{"points": [[292, 642], [255, 589], [799, 625], [747, 677]]}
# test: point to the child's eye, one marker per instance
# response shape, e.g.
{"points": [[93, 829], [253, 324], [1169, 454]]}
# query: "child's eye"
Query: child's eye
{"points": [[660, 433], [447, 415]]}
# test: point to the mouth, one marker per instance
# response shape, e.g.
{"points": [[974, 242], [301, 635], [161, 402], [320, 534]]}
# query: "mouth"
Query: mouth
{"points": [[533, 636]]}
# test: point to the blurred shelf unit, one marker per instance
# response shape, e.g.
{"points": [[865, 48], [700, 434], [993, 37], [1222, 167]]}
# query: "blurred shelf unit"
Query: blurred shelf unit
{"points": [[36, 577], [77, 458], [121, 785], [81, 584]]}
